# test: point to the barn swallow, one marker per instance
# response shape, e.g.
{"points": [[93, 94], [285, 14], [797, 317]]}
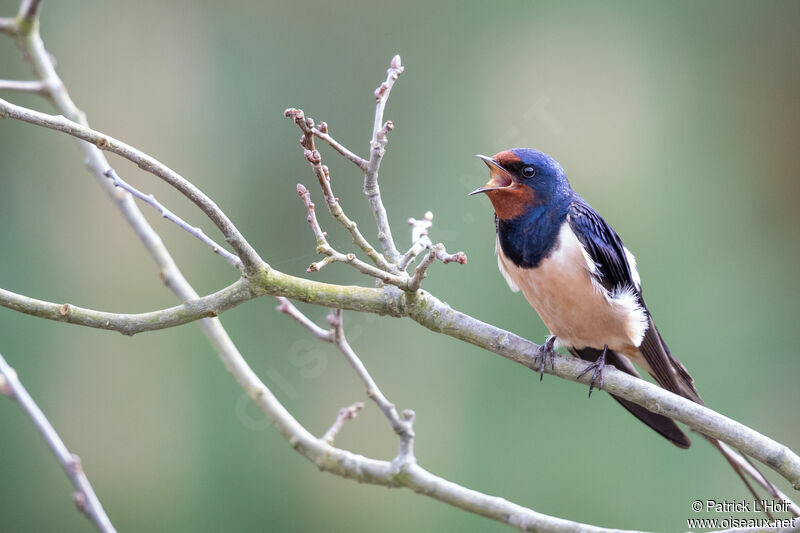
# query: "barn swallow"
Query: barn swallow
{"points": [[574, 270]]}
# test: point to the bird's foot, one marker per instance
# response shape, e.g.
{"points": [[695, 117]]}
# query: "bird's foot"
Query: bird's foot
{"points": [[597, 371], [545, 353]]}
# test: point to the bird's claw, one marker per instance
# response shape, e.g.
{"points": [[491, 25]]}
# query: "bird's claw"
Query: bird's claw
{"points": [[597, 371], [544, 353]]}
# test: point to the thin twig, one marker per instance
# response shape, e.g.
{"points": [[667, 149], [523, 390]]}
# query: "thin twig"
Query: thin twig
{"points": [[322, 173], [250, 258], [437, 251], [169, 215], [85, 498], [403, 425], [421, 228], [34, 87], [8, 26], [321, 132], [419, 239], [29, 11], [345, 414], [324, 247], [377, 148], [285, 306]]}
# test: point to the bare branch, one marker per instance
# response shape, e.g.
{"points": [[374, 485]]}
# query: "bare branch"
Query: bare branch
{"points": [[345, 414], [419, 239], [422, 241], [130, 324], [29, 11], [437, 251], [285, 306], [35, 87], [334, 256], [393, 474], [402, 426], [97, 163], [250, 258], [403, 281], [8, 26], [169, 215], [377, 148], [321, 132], [323, 176], [85, 497], [421, 228]]}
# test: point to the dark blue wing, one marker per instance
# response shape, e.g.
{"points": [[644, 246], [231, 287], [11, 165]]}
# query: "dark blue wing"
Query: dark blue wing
{"points": [[614, 271], [604, 247]]}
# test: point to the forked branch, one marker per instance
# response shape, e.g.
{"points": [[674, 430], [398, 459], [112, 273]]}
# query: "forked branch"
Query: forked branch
{"points": [[402, 424], [322, 173], [172, 217], [377, 148], [249, 257]]}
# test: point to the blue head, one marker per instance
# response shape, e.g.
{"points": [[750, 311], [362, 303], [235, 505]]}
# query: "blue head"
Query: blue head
{"points": [[530, 195], [523, 180]]}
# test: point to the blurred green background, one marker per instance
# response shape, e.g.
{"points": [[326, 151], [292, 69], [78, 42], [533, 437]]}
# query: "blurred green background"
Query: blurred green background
{"points": [[677, 121]]}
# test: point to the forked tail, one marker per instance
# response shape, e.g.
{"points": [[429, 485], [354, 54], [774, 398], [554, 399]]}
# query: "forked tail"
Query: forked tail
{"points": [[681, 383], [744, 468]]}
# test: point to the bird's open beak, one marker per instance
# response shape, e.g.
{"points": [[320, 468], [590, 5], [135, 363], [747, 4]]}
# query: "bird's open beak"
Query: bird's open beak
{"points": [[500, 178]]}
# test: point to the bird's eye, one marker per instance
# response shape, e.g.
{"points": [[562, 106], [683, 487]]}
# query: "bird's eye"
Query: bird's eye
{"points": [[528, 172]]}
